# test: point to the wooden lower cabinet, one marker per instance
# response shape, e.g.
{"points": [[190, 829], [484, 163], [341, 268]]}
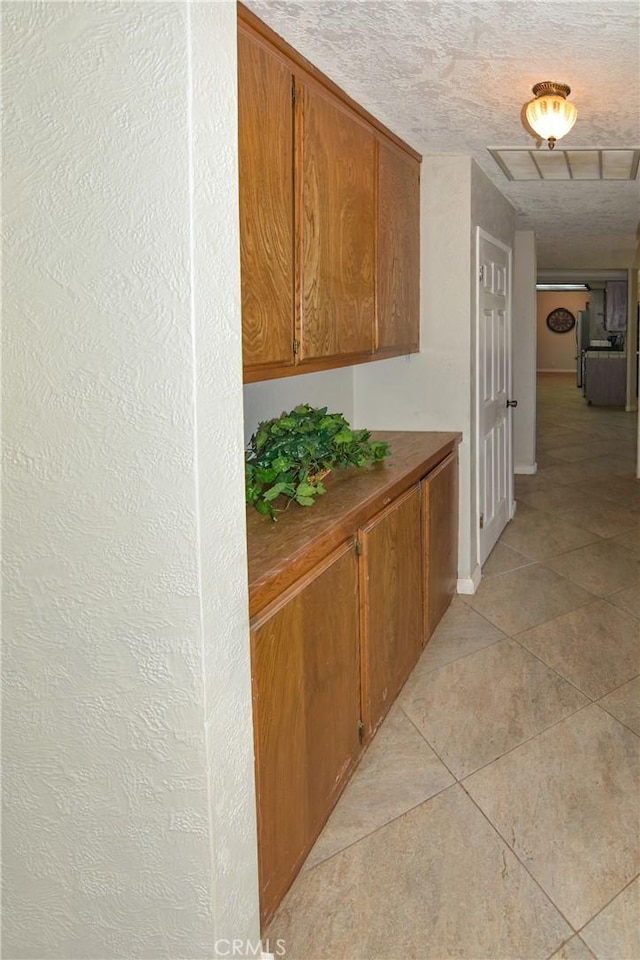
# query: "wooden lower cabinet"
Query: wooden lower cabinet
{"points": [[342, 598], [392, 620], [440, 522], [306, 698]]}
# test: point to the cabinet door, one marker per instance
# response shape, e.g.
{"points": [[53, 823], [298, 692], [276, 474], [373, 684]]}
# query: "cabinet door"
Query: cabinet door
{"points": [[616, 306], [398, 259], [265, 156], [440, 519], [336, 167], [391, 588], [306, 700]]}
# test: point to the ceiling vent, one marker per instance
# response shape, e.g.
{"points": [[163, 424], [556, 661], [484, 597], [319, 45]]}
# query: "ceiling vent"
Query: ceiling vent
{"points": [[580, 163]]}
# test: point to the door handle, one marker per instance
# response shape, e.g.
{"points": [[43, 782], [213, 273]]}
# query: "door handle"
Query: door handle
{"points": [[512, 403]]}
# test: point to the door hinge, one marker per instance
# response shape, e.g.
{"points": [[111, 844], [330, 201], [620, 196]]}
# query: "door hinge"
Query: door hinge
{"points": [[360, 731], [482, 521], [358, 546], [481, 276], [296, 347]]}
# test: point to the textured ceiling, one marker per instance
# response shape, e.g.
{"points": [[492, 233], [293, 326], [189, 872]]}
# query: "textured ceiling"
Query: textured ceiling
{"points": [[430, 70]]}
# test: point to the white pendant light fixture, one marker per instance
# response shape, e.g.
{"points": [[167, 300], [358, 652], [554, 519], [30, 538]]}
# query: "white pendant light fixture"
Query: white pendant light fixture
{"points": [[550, 114]]}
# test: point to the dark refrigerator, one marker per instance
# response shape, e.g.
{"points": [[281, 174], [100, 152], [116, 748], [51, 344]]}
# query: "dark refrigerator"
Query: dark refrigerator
{"points": [[582, 344]]}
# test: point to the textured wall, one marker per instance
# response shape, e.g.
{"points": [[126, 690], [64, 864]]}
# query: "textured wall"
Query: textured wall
{"points": [[490, 209], [110, 723], [220, 471]]}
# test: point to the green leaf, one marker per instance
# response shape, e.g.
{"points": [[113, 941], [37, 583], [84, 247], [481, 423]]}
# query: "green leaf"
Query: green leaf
{"points": [[265, 476], [274, 492], [380, 449], [305, 490], [305, 501], [280, 464], [261, 439]]}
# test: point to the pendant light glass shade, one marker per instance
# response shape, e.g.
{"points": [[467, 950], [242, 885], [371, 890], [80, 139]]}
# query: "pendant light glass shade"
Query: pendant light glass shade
{"points": [[550, 114]]}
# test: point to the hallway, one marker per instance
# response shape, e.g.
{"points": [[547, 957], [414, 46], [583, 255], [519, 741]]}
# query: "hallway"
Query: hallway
{"points": [[496, 813]]}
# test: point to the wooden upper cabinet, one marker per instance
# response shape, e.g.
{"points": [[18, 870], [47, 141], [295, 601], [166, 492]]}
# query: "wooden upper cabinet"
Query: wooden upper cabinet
{"points": [[329, 218], [398, 260], [265, 132], [336, 186]]}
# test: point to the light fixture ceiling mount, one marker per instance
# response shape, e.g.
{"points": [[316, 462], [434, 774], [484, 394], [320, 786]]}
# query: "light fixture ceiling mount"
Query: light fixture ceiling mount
{"points": [[550, 115]]}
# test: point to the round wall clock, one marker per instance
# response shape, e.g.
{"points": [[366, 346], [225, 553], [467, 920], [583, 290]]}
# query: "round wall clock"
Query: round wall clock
{"points": [[561, 320]]}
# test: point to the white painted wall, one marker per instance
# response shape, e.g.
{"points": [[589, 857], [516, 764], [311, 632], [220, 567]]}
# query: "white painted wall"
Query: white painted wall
{"points": [[270, 398], [524, 351], [219, 471], [557, 351], [129, 826]]}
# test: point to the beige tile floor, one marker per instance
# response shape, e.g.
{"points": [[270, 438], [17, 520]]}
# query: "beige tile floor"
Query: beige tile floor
{"points": [[496, 814]]}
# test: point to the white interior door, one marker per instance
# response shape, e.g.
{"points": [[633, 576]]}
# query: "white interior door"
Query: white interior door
{"points": [[493, 373]]}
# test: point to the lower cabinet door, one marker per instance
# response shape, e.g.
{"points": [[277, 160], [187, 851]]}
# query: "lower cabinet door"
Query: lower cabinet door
{"points": [[392, 608], [306, 703], [440, 518]]}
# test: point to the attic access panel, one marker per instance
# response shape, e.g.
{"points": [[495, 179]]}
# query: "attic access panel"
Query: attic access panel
{"points": [[578, 163]]}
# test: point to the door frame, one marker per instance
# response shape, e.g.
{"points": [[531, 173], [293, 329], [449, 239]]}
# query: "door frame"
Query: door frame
{"points": [[480, 235]]}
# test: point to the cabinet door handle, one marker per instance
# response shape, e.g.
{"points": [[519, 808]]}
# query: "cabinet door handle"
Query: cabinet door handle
{"points": [[512, 403]]}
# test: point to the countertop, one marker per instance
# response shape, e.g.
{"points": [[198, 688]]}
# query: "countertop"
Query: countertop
{"points": [[280, 553], [605, 353]]}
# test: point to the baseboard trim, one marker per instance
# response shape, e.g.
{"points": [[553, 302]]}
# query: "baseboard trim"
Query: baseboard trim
{"points": [[469, 585], [556, 370], [525, 468]]}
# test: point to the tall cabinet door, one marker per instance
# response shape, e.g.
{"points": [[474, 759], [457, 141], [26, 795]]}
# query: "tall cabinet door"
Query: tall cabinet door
{"points": [[440, 519], [392, 614], [265, 150], [336, 199], [306, 707], [398, 260]]}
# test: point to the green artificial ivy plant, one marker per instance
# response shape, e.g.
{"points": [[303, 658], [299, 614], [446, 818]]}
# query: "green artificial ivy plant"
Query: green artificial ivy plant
{"points": [[288, 456]]}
